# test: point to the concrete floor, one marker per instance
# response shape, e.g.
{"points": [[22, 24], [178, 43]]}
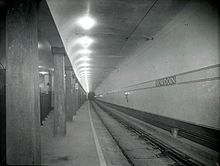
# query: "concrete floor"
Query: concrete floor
{"points": [[79, 148]]}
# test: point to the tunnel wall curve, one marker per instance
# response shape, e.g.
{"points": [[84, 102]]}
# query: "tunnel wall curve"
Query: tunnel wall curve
{"points": [[176, 75]]}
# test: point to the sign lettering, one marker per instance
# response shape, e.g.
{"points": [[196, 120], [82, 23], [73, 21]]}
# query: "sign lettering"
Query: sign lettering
{"points": [[166, 81]]}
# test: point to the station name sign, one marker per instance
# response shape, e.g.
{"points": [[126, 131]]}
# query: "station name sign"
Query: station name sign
{"points": [[166, 81]]}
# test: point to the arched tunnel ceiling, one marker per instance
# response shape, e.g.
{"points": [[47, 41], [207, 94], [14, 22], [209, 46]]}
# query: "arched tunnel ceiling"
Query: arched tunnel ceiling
{"points": [[48, 36], [121, 26]]}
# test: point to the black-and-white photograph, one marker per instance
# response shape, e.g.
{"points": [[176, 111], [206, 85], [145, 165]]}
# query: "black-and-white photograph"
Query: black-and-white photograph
{"points": [[110, 82]]}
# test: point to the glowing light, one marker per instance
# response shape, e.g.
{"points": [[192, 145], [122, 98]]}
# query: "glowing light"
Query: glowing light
{"points": [[85, 75], [43, 72], [85, 51], [85, 72], [127, 93], [39, 45], [86, 22], [83, 69], [84, 58], [85, 41], [85, 64]]}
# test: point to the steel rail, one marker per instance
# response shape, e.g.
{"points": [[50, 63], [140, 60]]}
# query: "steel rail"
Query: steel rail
{"points": [[179, 157], [116, 141]]}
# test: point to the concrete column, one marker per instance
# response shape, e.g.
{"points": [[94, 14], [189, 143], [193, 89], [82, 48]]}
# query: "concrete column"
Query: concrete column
{"points": [[69, 96], [74, 96], [44, 87], [80, 96], [2, 82], [22, 84], [2, 34], [59, 92], [51, 88], [46, 83]]}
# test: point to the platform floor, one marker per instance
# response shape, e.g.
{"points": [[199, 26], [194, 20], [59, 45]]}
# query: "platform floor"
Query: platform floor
{"points": [[87, 143]]}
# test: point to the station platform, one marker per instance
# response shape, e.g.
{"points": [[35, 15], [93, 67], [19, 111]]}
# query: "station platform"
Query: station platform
{"points": [[87, 142], [98, 138]]}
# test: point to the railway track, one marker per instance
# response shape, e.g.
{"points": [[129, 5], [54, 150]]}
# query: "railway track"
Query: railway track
{"points": [[139, 147]]}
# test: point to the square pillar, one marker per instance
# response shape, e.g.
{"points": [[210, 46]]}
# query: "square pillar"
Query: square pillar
{"points": [[69, 95], [76, 95], [74, 89], [59, 92], [2, 82], [22, 84], [46, 83], [51, 88]]}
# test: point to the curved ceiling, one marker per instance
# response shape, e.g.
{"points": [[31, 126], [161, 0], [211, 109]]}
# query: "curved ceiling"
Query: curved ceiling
{"points": [[120, 27]]}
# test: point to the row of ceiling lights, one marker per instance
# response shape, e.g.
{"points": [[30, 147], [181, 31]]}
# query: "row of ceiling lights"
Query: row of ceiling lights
{"points": [[86, 23]]}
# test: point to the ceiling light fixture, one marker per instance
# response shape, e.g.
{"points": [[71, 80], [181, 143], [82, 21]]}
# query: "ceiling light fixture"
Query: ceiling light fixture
{"points": [[86, 41], [84, 58], [85, 72], [43, 72], [85, 51], [86, 22], [83, 69], [85, 64]]}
